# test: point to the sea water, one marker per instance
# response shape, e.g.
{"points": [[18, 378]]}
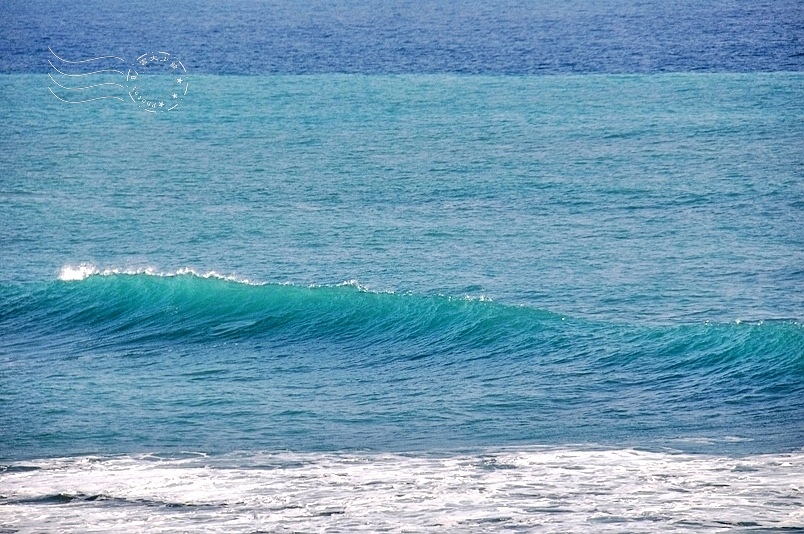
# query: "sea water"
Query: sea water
{"points": [[400, 298]]}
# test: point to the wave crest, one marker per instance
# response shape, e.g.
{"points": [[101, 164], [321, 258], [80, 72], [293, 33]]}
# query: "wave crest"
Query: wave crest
{"points": [[70, 273], [132, 307]]}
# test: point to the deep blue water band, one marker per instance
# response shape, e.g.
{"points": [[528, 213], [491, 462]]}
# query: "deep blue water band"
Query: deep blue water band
{"points": [[414, 36]]}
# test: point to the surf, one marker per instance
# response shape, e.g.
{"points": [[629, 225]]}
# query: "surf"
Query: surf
{"points": [[205, 306], [516, 488]]}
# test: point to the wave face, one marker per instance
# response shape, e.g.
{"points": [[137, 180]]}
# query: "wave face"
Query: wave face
{"points": [[115, 361]]}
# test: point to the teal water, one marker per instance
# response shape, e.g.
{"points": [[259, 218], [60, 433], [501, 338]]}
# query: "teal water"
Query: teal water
{"points": [[658, 198], [399, 273], [208, 364]]}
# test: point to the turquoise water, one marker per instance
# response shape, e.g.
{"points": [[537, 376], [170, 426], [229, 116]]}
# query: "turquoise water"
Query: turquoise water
{"points": [[660, 198], [442, 282]]}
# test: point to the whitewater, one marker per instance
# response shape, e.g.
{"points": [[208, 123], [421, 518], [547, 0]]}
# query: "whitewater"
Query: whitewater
{"points": [[549, 490]]}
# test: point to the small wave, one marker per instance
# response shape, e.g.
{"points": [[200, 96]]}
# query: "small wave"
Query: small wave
{"points": [[132, 307], [209, 303]]}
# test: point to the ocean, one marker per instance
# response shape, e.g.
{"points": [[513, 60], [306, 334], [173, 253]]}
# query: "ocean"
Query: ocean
{"points": [[400, 267]]}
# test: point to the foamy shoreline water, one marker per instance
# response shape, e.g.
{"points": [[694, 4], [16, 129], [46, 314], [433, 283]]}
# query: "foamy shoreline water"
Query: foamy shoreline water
{"points": [[547, 490]]}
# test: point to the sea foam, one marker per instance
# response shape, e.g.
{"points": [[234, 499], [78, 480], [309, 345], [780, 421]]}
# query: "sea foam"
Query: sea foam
{"points": [[544, 489], [70, 273]]}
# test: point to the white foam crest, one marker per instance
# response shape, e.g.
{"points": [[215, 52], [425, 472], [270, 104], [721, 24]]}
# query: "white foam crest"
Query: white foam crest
{"points": [[69, 273], [549, 490], [480, 298], [355, 284]]}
